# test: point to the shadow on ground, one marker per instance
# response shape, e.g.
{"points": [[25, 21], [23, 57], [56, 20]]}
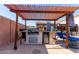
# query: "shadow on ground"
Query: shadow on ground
{"points": [[24, 49], [58, 48], [62, 44]]}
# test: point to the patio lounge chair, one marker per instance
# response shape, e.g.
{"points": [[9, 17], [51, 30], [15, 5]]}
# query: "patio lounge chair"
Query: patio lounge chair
{"points": [[73, 41], [61, 35]]}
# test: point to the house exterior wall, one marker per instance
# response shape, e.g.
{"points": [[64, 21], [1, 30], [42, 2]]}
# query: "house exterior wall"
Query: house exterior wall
{"points": [[5, 36], [76, 20]]}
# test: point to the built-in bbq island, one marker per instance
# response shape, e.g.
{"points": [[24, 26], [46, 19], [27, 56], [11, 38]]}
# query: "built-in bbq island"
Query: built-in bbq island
{"points": [[33, 37], [38, 37]]}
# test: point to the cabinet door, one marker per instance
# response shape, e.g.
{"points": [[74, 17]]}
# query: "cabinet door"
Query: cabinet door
{"points": [[46, 38], [33, 39]]}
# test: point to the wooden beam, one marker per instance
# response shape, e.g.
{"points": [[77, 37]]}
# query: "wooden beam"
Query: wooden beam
{"points": [[21, 16], [42, 19], [16, 32], [67, 30], [39, 11], [34, 19], [64, 15], [65, 12]]}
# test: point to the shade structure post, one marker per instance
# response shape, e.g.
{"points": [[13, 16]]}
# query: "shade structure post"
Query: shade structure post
{"points": [[76, 29], [25, 29], [59, 28], [10, 31], [25, 24], [67, 30], [16, 32]]}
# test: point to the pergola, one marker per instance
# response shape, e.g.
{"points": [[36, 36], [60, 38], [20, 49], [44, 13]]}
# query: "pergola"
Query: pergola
{"points": [[39, 12]]}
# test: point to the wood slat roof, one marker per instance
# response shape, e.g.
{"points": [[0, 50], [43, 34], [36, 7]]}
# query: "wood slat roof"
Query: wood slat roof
{"points": [[38, 12]]}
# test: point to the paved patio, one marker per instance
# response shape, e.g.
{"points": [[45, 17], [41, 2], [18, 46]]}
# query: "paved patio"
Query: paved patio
{"points": [[37, 49]]}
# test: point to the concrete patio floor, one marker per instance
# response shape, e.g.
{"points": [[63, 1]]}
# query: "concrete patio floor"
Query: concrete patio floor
{"points": [[37, 49]]}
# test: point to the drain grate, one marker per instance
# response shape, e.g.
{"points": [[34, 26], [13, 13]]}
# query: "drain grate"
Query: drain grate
{"points": [[36, 51]]}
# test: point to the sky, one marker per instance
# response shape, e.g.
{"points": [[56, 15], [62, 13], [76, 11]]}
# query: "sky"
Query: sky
{"points": [[4, 11]]}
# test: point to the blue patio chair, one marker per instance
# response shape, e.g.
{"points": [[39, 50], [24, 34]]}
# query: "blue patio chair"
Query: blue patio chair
{"points": [[61, 35], [72, 40]]}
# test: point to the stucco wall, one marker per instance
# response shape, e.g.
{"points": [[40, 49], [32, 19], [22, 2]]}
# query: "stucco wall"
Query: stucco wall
{"points": [[77, 22], [5, 36]]}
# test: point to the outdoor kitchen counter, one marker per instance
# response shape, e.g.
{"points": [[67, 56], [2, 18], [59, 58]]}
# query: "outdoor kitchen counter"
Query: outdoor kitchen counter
{"points": [[34, 37], [39, 37]]}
